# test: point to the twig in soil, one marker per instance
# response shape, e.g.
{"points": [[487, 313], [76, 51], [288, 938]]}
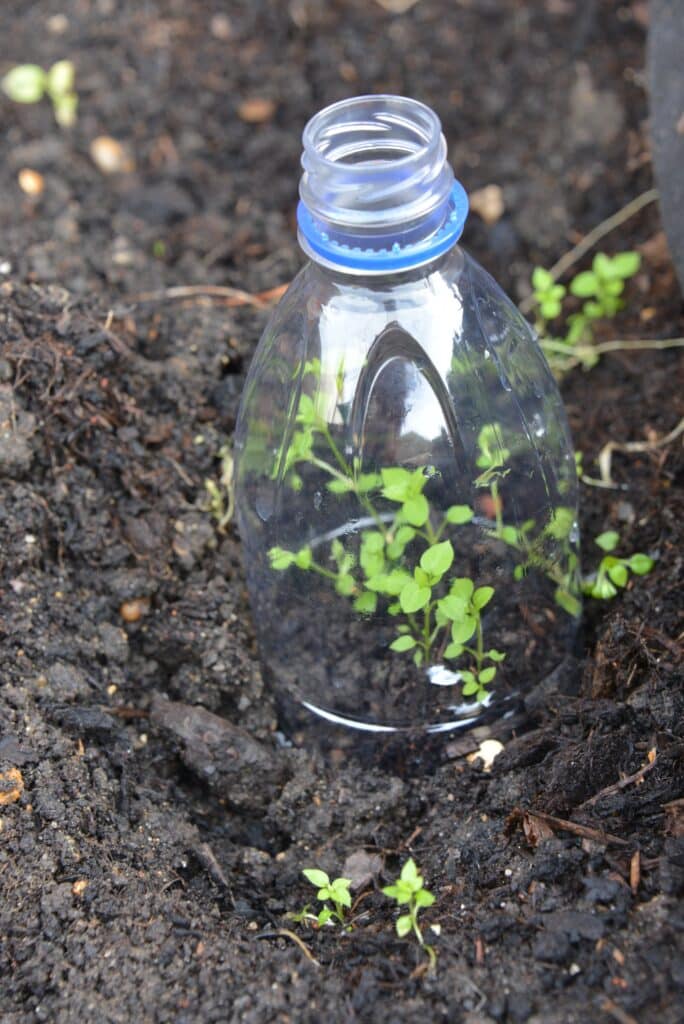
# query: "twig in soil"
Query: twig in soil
{"points": [[617, 1013], [595, 235], [617, 786], [222, 293], [583, 831], [635, 872], [576, 355], [606, 453], [285, 933]]}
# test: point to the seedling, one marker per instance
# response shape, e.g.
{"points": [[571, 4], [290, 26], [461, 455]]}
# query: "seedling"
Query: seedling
{"points": [[547, 294], [602, 288], [29, 83], [335, 892], [221, 497], [613, 572], [408, 891]]}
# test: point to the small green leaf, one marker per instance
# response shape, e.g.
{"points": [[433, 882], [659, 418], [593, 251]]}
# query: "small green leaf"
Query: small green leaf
{"points": [[640, 564], [486, 675], [324, 916], [452, 607], [626, 264], [421, 577], [409, 873], [594, 310], [462, 588], [470, 687], [541, 279], [561, 523], [396, 483], [603, 589], [567, 601], [316, 877], [345, 585], [403, 643], [424, 898], [60, 78], [609, 540], [584, 284], [24, 83], [280, 558], [368, 482], [339, 891], [340, 486], [462, 631], [618, 574], [416, 510], [404, 925], [413, 597], [306, 412], [391, 890], [438, 558], [495, 655], [453, 651], [303, 558], [482, 596], [459, 514], [366, 603], [550, 308], [418, 658]]}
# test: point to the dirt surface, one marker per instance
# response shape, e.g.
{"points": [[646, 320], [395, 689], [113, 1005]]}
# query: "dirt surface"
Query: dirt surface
{"points": [[153, 826]]}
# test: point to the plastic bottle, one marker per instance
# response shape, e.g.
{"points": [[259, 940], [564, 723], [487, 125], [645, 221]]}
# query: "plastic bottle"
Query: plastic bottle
{"points": [[405, 481]]}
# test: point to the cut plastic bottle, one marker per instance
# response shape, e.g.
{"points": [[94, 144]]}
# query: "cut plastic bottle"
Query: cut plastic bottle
{"points": [[405, 480]]}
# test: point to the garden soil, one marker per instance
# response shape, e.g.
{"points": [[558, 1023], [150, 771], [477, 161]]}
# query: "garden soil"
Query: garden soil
{"points": [[153, 821]]}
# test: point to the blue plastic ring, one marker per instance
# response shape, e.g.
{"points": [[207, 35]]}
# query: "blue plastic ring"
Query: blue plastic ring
{"points": [[396, 256]]}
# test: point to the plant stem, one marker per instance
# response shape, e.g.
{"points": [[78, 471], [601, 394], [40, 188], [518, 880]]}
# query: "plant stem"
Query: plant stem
{"points": [[479, 654]]}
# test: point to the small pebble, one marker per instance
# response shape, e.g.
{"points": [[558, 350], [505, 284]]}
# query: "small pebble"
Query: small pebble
{"points": [[11, 786], [30, 182], [220, 27], [109, 155], [488, 203], [256, 110], [133, 611]]}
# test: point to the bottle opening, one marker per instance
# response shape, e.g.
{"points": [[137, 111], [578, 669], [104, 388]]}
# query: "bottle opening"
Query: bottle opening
{"points": [[377, 192]]}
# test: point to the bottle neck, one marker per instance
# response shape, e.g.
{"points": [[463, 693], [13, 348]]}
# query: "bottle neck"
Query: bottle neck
{"points": [[377, 194]]}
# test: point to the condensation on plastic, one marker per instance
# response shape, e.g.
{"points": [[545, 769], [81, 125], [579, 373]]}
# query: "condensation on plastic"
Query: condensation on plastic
{"points": [[430, 370]]}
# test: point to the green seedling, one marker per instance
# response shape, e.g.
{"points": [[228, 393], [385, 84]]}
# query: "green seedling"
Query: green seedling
{"points": [[613, 572], [29, 83], [601, 288], [408, 891], [548, 295], [335, 893], [220, 495]]}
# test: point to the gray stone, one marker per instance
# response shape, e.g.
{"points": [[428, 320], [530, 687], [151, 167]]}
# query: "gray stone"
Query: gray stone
{"points": [[16, 430], [666, 83]]}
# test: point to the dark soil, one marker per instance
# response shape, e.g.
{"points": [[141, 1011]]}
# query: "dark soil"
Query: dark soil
{"points": [[149, 853]]}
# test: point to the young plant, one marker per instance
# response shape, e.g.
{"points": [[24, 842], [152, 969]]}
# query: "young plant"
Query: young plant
{"points": [[220, 496], [613, 572], [548, 295], [335, 892], [408, 891], [601, 287], [29, 83]]}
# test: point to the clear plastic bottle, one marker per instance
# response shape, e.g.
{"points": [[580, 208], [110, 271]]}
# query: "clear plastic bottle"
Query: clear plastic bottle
{"points": [[406, 486]]}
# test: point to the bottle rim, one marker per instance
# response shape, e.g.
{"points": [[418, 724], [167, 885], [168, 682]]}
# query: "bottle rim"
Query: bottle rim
{"points": [[377, 192]]}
